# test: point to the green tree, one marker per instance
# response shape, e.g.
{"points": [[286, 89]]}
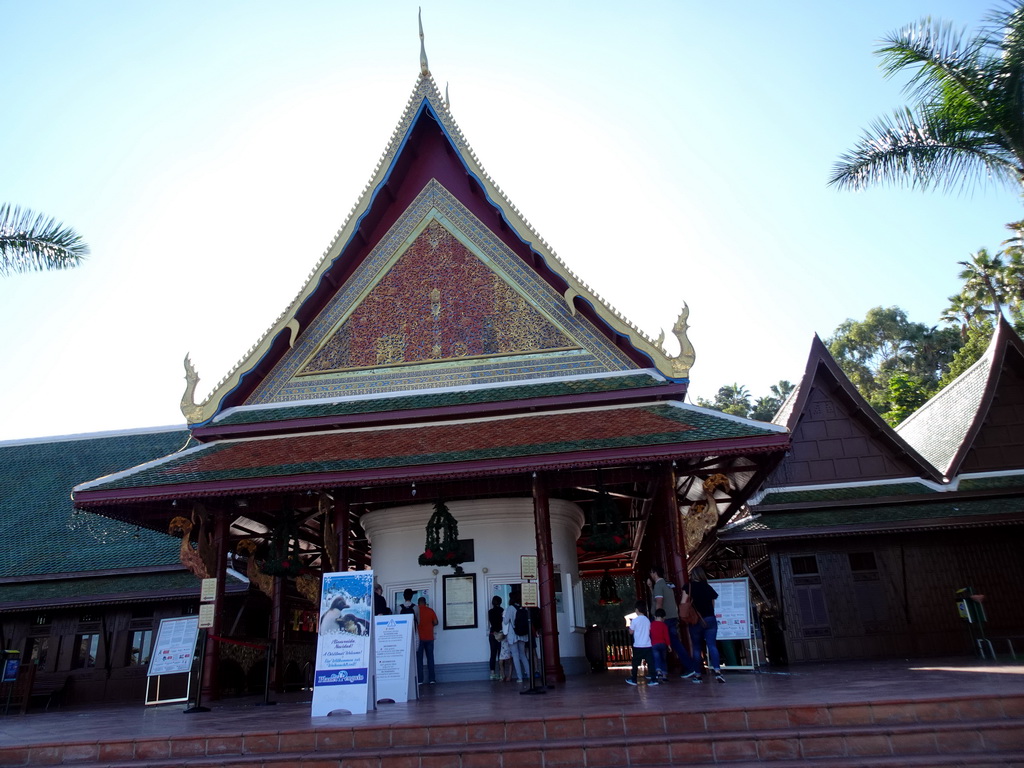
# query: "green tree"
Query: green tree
{"points": [[979, 334], [966, 121], [984, 280], [30, 242], [906, 394], [886, 342]]}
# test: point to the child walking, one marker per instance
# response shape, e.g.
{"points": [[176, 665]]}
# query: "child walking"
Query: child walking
{"points": [[659, 644], [640, 629]]}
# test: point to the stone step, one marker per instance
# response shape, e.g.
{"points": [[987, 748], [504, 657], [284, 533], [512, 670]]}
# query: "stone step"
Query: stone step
{"points": [[941, 743]]}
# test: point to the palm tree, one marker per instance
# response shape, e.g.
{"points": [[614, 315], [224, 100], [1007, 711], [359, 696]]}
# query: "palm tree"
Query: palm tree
{"points": [[984, 277], [30, 242], [967, 120]]}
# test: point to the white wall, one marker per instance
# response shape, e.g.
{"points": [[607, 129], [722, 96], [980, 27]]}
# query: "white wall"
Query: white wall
{"points": [[502, 530]]}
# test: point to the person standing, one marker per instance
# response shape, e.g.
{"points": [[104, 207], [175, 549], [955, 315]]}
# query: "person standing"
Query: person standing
{"points": [[495, 619], [380, 603], [663, 597], [640, 629], [425, 625], [517, 641], [406, 605], [705, 631], [659, 644]]}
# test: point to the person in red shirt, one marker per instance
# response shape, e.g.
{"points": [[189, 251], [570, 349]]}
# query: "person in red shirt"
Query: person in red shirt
{"points": [[426, 621], [660, 642]]}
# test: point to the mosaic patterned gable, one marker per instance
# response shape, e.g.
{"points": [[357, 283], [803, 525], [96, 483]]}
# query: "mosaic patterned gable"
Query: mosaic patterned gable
{"points": [[440, 301], [437, 302]]}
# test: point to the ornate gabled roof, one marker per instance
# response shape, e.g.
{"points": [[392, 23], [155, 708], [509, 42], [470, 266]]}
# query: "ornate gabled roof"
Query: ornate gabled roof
{"points": [[432, 218], [487, 446], [976, 423], [45, 535], [838, 438]]}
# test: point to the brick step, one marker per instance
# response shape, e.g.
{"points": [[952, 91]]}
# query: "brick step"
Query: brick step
{"points": [[949, 743], [987, 760], [859, 728]]}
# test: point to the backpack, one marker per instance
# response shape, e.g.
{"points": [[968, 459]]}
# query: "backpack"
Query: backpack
{"points": [[402, 609], [521, 623]]}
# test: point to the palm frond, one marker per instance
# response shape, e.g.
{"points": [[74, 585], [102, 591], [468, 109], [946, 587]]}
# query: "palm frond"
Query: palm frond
{"points": [[30, 242], [928, 151]]}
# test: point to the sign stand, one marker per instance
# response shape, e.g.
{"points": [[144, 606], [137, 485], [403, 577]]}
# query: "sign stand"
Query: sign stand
{"points": [[396, 673], [173, 653], [733, 611], [343, 678], [529, 592]]}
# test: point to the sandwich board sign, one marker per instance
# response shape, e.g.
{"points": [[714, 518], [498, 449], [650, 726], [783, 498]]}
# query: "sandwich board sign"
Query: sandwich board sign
{"points": [[343, 677], [396, 676]]}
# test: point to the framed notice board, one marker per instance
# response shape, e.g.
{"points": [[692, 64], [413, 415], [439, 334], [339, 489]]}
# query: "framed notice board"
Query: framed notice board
{"points": [[459, 596]]}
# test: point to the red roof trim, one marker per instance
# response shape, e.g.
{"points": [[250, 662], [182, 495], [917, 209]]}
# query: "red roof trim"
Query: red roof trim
{"points": [[416, 415], [389, 475]]}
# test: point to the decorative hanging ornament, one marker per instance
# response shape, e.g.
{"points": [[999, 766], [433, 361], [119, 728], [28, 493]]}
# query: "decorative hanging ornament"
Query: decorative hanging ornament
{"points": [[283, 558], [606, 530], [442, 547], [609, 594]]}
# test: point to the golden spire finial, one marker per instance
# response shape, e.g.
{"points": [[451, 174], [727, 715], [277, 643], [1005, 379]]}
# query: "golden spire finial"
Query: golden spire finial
{"points": [[424, 69]]}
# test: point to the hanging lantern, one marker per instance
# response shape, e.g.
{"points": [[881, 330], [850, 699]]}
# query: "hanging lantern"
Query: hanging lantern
{"points": [[283, 556], [442, 547], [609, 594], [606, 529]]}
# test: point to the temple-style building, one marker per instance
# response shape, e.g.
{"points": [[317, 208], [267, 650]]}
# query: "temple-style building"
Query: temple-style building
{"points": [[443, 397], [441, 357]]}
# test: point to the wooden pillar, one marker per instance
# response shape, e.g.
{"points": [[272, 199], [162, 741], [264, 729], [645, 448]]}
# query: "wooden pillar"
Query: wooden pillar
{"points": [[211, 666], [675, 564], [546, 576], [341, 528], [277, 635]]}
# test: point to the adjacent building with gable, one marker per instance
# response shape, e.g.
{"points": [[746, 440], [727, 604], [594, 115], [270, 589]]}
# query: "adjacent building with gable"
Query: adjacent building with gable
{"points": [[864, 533]]}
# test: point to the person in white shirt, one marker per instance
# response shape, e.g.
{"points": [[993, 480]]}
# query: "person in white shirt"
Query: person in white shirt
{"points": [[640, 629]]}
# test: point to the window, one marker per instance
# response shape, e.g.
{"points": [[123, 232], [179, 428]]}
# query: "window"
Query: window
{"points": [[868, 592], [140, 646], [810, 597], [38, 647], [86, 648]]}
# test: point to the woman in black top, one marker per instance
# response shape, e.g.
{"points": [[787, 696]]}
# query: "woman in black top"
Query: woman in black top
{"points": [[494, 621], [704, 631]]}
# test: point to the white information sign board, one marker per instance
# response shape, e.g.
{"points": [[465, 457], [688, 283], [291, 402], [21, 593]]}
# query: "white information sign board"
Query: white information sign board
{"points": [[396, 676], [343, 678], [175, 646], [732, 608]]}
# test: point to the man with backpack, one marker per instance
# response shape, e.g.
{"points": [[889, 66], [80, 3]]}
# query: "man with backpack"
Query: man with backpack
{"points": [[517, 630]]}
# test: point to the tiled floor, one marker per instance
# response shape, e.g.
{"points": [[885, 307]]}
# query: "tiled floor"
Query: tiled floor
{"points": [[607, 693]]}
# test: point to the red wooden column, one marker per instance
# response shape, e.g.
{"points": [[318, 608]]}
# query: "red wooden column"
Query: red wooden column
{"points": [[341, 527], [675, 563], [211, 665], [546, 576], [277, 635]]}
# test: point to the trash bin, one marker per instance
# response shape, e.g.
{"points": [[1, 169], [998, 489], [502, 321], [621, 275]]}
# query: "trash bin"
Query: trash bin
{"points": [[971, 609], [593, 647], [730, 651]]}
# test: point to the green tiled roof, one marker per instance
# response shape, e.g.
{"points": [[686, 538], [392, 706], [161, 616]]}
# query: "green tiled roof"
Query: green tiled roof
{"points": [[541, 435], [840, 494], [181, 584], [41, 534], [437, 399], [878, 516], [985, 483]]}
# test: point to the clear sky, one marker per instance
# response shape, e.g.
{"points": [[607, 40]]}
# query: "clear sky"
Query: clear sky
{"points": [[668, 151]]}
